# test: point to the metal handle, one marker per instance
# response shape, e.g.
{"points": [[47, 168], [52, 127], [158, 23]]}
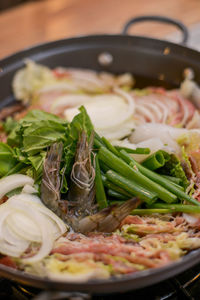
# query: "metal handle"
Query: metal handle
{"points": [[161, 19]]}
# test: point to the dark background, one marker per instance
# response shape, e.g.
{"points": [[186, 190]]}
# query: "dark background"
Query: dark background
{"points": [[5, 4]]}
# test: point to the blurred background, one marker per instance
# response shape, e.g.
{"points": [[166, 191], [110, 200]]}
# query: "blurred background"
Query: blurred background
{"points": [[5, 4], [24, 23]]}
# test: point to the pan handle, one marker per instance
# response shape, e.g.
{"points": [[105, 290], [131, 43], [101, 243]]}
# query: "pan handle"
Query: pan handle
{"points": [[160, 19]]}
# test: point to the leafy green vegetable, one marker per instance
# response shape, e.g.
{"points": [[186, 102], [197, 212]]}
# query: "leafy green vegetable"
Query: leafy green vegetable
{"points": [[7, 160], [174, 168], [36, 131], [41, 135], [30, 138], [9, 124]]}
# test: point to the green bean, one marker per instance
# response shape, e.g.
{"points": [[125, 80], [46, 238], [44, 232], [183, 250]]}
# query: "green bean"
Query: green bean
{"points": [[178, 207], [100, 193], [134, 151], [120, 166], [156, 160], [114, 187], [131, 187], [165, 183], [116, 195]]}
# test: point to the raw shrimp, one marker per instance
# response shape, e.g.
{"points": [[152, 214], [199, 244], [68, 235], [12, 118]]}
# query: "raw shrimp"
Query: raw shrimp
{"points": [[79, 213], [51, 181], [109, 218], [82, 191]]}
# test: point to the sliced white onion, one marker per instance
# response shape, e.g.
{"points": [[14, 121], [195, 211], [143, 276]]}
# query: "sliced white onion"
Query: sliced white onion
{"points": [[71, 100], [47, 238], [150, 130], [106, 111], [9, 249], [11, 238], [23, 220], [14, 181], [37, 205], [24, 226], [28, 189], [119, 132]]}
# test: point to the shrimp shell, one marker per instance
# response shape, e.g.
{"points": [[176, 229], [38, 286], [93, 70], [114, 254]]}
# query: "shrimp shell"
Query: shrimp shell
{"points": [[109, 218], [82, 192], [51, 182]]}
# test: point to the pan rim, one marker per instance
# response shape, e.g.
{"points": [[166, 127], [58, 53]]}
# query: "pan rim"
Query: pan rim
{"points": [[106, 36]]}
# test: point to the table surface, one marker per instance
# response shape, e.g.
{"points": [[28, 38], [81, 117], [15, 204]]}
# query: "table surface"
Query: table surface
{"points": [[47, 20]]}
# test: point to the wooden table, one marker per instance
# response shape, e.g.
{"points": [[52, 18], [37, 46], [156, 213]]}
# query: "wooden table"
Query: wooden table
{"points": [[41, 21]]}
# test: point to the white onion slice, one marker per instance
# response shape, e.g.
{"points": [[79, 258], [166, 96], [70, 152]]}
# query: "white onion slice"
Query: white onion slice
{"points": [[8, 249], [23, 220], [28, 189], [69, 101], [106, 111], [11, 238], [36, 204], [24, 226], [150, 130], [14, 181]]}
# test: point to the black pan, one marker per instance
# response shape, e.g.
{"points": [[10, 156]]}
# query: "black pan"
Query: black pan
{"points": [[151, 61]]}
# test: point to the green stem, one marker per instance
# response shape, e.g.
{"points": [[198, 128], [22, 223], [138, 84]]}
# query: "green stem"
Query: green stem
{"points": [[114, 187], [131, 187], [100, 193], [103, 167], [173, 179], [165, 183], [149, 211], [156, 160], [134, 151], [117, 164], [110, 147], [145, 211], [178, 207], [116, 195]]}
